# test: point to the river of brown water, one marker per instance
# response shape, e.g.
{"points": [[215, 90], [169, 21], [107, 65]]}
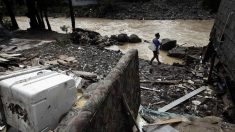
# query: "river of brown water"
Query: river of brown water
{"points": [[187, 32]]}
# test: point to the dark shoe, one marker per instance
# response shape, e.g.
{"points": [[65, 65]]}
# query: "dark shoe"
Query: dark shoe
{"points": [[159, 63], [150, 63]]}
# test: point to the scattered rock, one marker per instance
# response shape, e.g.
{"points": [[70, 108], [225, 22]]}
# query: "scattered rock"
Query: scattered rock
{"points": [[178, 52], [113, 37], [86, 37], [81, 37], [168, 44], [134, 39], [123, 38]]}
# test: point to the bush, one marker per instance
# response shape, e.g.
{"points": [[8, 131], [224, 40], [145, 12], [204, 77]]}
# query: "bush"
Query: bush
{"points": [[65, 28], [7, 22]]}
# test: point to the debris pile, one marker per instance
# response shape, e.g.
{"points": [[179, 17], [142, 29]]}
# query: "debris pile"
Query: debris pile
{"points": [[163, 84], [189, 54], [170, 122], [165, 89], [8, 60], [73, 57]]}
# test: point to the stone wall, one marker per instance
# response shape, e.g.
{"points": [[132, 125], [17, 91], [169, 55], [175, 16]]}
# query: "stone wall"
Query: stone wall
{"points": [[104, 111]]}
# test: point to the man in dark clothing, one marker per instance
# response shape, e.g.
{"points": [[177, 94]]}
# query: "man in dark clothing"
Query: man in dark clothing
{"points": [[157, 44]]}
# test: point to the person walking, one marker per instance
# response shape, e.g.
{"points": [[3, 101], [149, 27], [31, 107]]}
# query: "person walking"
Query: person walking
{"points": [[157, 44]]}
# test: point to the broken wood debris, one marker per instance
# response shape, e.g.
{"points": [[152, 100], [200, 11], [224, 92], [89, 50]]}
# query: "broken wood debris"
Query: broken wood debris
{"points": [[182, 99], [145, 88], [157, 128], [169, 121], [67, 58], [32, 57], [3, 60], [157, 103], [166, 82], [4, 57], [86, 75]]}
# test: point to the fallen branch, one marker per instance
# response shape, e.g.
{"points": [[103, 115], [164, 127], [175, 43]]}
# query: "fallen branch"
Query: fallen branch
{"points": [[166, 82], [182, 99]]}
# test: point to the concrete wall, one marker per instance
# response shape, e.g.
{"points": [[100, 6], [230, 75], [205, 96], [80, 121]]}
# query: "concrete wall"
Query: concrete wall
{"points": [[223, 40], [225, 27], [104, 112]]}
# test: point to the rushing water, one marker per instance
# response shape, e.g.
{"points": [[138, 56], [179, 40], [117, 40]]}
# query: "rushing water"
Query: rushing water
{"points": [[187, 32]]}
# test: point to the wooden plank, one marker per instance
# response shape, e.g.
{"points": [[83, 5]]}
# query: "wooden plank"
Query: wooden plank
{"points": [[163, 122], [9, 55], [3, 60], [167, 82], [145, 88], [6, 57], [182, 99]]}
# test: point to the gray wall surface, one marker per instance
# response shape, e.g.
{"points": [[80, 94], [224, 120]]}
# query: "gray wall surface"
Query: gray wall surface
{"points": [[223, 35]]}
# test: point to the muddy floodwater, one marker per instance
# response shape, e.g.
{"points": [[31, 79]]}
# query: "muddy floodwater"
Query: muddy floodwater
{"points": [[187, 32]]}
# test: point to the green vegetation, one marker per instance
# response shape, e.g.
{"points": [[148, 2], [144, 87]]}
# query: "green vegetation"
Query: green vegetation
{"points": [[65, 28]]}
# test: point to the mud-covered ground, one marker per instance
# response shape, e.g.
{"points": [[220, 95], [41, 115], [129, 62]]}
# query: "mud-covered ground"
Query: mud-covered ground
{"points": [[152, 9], [210, 102], [101, 61], [93, 58], [88, 58]]}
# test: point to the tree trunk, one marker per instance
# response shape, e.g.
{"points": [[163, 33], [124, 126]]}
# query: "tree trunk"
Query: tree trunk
{"points": [[72, 14], [39, 19], [31, 14], [11, 14], [1, 20], [41, 15], [47, 21]]}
